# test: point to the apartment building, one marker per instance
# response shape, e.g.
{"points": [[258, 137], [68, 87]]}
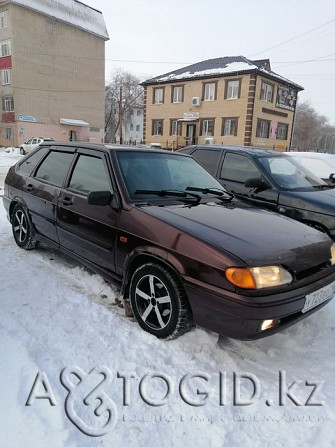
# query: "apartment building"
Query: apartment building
{"points": [[228, 100], [52, 71]]}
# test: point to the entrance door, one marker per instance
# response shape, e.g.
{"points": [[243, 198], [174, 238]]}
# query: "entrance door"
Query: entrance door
{"points": [[190, 134], [72, 135]]}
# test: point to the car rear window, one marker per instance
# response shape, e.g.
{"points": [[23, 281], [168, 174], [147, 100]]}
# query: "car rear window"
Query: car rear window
{"points": [[54, 168], [28, 164]]}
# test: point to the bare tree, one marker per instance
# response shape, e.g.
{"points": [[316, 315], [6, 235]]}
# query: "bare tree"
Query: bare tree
{"points": [[122, 94], [312, 131]]}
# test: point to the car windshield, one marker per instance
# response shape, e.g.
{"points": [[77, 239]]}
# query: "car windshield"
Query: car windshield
{"points": [[321, 167], [150, 171], [289, 174]]}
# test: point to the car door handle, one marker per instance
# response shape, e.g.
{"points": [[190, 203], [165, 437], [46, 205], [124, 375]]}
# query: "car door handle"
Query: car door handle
{"points": [[30, 187], [65, 201]]}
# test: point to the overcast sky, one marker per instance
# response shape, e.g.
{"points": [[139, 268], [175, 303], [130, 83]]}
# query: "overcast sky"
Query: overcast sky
{"points": [[156, 37]]}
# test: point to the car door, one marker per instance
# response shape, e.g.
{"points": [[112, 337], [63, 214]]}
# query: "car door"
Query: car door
{"points": [[208, 158], [42, 187], [86, 230], [236, 169]]}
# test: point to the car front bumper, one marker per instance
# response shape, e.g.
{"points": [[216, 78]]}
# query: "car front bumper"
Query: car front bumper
{"points": [[240, 317]]}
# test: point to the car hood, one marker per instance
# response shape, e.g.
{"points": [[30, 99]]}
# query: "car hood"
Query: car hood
{"points": [[317, 200], [256, 236]]}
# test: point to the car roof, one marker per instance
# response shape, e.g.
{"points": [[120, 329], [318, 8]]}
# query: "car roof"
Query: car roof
{"points": [[250, 150], [311, 154], [104, 146]]}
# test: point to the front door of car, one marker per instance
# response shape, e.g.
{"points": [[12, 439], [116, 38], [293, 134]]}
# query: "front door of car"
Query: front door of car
{"points": [[86, 230], [236, 170], [43, 186]]}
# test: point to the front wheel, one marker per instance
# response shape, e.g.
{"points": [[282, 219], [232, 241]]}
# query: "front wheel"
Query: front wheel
{"points": [[22, 230], [159, 302]]}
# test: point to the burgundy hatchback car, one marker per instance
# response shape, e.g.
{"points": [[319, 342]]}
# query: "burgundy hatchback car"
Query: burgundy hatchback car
{"points": [[180, 247]]}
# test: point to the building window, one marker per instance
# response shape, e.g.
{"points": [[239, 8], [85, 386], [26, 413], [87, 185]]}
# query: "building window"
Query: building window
{"points": [[5, 77], [209, 91], [158, 97], [229, 127], [207, 127], [7, 104], [4, 48], [132, 112], [282, 131], [9, 133], [263, 128], [131, 127], [138, 113], [267, 92], [178, 93], [138, 128], [157, 127], [175, 127], [3, 19], [233, 89]]}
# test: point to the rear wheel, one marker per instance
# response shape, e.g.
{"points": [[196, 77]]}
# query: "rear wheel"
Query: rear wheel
{"points": [[22, 230], [159, 302]]}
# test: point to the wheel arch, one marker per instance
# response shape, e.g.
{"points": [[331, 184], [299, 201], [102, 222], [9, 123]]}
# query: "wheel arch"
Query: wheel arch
{"points": [[138, 259]]}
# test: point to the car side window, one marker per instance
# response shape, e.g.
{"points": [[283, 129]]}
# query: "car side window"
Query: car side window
{"points": [[54, 168], [238, 168], [209, 159], [28, 165], [89, 175]]}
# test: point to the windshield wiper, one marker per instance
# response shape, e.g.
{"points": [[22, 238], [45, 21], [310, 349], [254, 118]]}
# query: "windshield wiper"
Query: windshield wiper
{"points": [[224, 195], [168, 193]]}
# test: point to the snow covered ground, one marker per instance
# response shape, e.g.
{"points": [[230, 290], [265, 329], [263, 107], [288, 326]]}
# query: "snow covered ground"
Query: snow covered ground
{"points": [[55, 314]]}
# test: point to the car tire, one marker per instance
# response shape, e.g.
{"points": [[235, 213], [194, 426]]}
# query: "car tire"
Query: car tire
{"points": [[22, 151], [22, 228], [159, 302]]}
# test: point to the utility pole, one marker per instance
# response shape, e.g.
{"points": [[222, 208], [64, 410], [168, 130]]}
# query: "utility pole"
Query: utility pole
{"points": [[120, 116]]}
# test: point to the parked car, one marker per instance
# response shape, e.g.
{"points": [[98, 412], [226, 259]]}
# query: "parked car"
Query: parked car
{"points": [[321, 164], [32, 144], [179, 246], [271, 180]]}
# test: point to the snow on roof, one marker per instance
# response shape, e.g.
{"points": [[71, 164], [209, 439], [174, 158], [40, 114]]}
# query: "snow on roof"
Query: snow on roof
{"points": [[230, 68], [72, 12], [220, 67]]}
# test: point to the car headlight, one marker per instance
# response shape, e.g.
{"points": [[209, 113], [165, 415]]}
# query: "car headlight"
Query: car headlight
{"points": [[259, 277], [332, 254]]}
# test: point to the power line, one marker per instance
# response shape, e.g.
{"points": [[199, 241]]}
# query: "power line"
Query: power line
{"points": [[293, 38]]}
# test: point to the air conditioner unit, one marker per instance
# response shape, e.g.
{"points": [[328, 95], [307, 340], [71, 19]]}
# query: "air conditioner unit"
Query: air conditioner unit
{"points": [[209, 140], [196, 101]]}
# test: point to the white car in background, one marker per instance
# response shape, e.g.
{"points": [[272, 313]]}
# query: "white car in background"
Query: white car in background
{"points": [[30, 145], [319, 163]]}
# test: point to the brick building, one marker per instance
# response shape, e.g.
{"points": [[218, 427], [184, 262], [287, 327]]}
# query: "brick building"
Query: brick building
{"points": [[52, 71], [228, 100]]}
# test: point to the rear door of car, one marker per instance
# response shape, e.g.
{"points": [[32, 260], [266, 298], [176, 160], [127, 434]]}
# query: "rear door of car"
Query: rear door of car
{"points": [[42, 188], [235, 169], [208, 158], [88, 231]]}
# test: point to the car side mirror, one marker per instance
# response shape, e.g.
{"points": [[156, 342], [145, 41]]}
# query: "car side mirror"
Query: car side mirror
{"points": [[257, 182], [332, 177], [100, 198]]}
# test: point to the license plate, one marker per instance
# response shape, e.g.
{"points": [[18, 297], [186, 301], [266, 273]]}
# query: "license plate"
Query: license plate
{"points": [[318, 297]]}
